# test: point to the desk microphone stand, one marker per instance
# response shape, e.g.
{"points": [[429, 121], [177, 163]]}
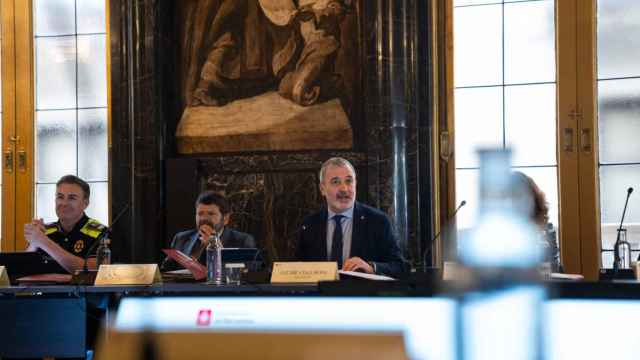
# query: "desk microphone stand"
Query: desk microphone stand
{"points": [[86, 276]]}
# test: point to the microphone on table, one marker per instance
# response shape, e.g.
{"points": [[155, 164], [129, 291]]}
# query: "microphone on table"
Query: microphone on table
{"points": [[616, 250], [103, 235], [446, 225]]}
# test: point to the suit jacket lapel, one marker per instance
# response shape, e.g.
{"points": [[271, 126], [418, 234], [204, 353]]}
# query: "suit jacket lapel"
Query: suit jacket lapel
{"points": [[323, 235], [358, 231], [225, 239], [193, 241]]}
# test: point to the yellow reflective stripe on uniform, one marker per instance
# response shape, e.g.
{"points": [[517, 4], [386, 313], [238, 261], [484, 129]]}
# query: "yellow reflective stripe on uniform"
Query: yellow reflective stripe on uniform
{"points": [[92, 228], [50, 230]]}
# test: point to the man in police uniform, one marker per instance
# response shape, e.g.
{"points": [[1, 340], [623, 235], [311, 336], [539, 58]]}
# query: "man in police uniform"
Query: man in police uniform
{"points": [[68, 239]]}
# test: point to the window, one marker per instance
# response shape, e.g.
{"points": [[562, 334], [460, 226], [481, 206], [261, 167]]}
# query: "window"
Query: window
{"points": [[54, 107], [590, 95], [70, 101], [618, 89], [505, 93]]}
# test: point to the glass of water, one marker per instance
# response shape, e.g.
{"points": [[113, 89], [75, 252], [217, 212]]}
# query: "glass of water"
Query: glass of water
{"points": [[233, 272]]}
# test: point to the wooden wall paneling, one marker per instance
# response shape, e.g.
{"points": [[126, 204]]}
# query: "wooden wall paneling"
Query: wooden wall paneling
{"points": [[7, 10], [25, 106]]}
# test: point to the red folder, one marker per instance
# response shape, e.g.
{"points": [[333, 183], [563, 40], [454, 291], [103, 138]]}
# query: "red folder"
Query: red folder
{"points": [[198, 270], [42, 279]]}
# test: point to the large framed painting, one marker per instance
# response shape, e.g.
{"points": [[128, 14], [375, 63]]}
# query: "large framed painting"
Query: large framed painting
{"points": [[268, 75]]}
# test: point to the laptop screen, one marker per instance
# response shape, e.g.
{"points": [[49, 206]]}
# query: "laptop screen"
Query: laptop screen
{"points": [[240, 255], [19, 264]]}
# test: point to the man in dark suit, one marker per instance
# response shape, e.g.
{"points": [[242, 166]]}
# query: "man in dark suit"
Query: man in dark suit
{"points": [[356, 236], [212, 215]]}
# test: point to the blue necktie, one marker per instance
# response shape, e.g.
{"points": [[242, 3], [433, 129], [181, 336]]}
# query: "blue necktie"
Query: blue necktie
{"points": [[336, 244]]}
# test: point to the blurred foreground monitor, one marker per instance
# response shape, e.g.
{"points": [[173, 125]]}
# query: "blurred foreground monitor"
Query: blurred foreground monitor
{"points": [[354, 328], [363, 328]]}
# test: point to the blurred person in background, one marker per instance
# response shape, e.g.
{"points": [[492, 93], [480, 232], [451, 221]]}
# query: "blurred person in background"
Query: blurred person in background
{"points": [[539, 216]]}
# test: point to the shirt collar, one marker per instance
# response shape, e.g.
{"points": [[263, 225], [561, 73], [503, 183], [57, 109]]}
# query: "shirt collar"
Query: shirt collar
{"points": [[347, 213], [83, 220]]}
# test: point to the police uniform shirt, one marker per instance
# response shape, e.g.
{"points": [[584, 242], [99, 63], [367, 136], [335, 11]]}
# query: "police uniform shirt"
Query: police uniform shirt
{"points": [[79, 239]]}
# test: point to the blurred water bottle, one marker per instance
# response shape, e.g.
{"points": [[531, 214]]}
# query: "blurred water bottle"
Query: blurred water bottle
{"points": [[103, 253], [214, 260], [623, 250], [501, 294]]}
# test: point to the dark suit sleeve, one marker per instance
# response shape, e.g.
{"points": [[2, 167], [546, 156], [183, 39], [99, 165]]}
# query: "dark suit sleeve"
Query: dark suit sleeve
{"points": [[232, 238], [391, 262], [169, 264], [249, 241]]}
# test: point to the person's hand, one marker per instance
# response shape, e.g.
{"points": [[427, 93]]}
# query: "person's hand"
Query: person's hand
{"points": [[39, 223], [357, 264], [204, 233], [34, 234]]}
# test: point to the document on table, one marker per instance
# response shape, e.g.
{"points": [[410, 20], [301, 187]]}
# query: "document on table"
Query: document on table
{"points": [[362, 275], [560, 276]]}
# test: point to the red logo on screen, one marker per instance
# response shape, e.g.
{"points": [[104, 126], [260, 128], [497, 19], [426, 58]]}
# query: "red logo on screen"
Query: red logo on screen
{"points": [[204, 317]]}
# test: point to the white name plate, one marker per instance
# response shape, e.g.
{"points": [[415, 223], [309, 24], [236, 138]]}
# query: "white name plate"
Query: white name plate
{"points": [[128, 274], [4, 277], [304, 272], [450, 271]]}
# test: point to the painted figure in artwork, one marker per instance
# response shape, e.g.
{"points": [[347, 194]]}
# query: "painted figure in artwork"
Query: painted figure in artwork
{"points": [[261, 45]]}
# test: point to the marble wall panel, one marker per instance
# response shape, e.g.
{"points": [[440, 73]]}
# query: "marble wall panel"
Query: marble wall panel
{"points": [[271, 194]]}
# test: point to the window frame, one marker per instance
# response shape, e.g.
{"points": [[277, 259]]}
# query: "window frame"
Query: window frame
{"points": [[18, 119], [576, 116]]}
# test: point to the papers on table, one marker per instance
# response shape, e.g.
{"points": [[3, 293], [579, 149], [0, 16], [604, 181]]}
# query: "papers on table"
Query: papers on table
{"points": [[362, 275]]}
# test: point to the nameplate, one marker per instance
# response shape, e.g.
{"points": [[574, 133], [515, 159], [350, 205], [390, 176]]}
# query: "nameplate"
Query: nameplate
{"points": [[304, 272], [4, 277], [128, 274], [450, 271]]}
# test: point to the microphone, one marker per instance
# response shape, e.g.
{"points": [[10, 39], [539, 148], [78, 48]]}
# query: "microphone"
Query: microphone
{"points": [[254, 273], [616, 253], [103, 235], [446, 225], [257, 255]]}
